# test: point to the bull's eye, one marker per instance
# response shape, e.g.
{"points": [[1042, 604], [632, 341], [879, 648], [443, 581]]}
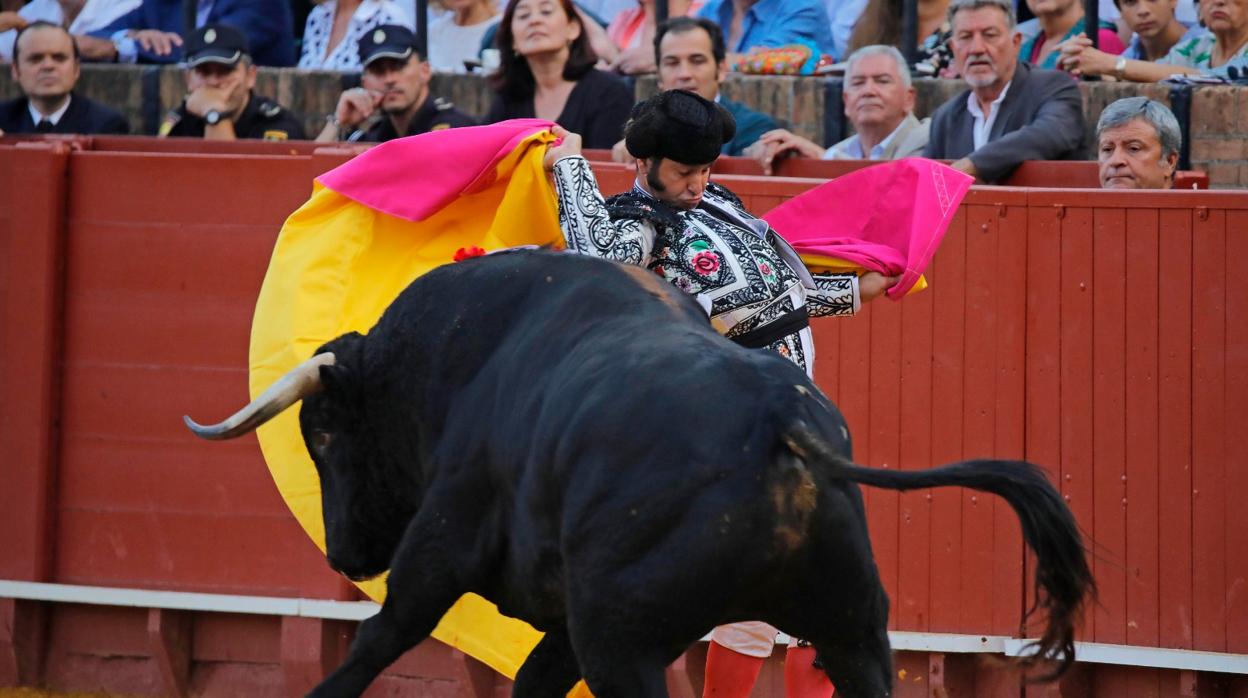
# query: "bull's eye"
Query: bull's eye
{"points": [[320, 440]]}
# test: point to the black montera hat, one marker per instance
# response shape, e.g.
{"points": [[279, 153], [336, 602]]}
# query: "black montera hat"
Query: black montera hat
{"points": [[679, 125], [387, 41], [216, 43]]}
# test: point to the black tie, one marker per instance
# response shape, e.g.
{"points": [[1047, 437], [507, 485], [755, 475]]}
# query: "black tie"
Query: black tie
{"points": [[44, 126]]}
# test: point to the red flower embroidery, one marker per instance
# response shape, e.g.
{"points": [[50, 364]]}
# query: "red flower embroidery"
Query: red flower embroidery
{"points": [[461, 254], [705, 263], [765, 268]]}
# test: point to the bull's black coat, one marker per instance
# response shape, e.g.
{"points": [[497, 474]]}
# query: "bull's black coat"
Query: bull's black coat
{"points": [[571, 439]]}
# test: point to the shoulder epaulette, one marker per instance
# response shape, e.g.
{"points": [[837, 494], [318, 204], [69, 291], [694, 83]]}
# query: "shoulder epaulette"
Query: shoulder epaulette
{"points": [[442, 104]]}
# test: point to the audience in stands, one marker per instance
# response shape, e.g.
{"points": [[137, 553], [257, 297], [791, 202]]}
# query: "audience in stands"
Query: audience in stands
{"points": [[393, 99], [750, 24], [220, 105], [1225, 42], [153, 32], [335, 28], [455, 37], [547, 71], [1013, 112], [691, 56], [632, 35], [76, 16], [880, 24], [879, 102], [1061, 20], [1156, 31], [1137, 145], [46, 66]]}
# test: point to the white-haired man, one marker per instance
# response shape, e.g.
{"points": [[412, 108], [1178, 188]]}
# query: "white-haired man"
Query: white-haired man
{"points": [[879, 102]]}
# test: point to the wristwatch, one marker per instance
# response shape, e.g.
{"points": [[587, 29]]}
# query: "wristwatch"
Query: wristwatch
{"points": [[213, 117], [1120, 67]]}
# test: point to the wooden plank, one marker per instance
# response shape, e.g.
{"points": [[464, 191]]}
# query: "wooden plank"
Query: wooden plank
{"points": [[978, 421], [1009, 436], [1076, 406], [883, 435], [912, 604], [32, 202], [1109, 420], [1141, 393], [1043, 372], [948, 325], [1236, 439], [1208, 431], [1174, 431]]}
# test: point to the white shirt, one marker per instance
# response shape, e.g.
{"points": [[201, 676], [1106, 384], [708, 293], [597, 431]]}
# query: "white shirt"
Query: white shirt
{"points": [[346, 55], [982, 128], [95, 14], [54, 117], [853, 149], [450, 44]]}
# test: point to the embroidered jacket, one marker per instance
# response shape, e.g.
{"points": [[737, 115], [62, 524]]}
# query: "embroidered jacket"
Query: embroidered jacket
{"points": [[731, 260]]}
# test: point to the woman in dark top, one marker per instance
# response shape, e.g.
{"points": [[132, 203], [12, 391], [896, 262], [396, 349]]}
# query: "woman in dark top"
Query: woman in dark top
{"points": [[546, 70]]}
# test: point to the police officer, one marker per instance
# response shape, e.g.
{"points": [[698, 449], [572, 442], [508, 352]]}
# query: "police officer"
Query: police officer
{"points": [[393, 98], [220, 104]]}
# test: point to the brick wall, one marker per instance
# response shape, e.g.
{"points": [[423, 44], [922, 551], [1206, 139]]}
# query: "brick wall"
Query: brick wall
{"points": [[1219, 133]]}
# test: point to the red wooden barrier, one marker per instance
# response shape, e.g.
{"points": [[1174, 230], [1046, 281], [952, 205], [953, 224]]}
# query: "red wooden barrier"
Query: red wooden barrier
{"points": [[1101, 334]]}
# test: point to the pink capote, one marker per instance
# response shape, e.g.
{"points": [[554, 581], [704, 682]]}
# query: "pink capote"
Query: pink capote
{"points": [[440, 165], [888, 218]]}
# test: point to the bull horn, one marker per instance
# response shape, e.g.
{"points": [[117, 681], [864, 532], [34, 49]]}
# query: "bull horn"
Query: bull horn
{"points": [[300, 382]]}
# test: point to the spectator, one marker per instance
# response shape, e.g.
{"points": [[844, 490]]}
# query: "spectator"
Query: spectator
{"points": [[1195, 53], [220, 105], [46, 66], [768, 23], [690, 54], [1156, 28], [455, 37], [1013, 112], [395, 88], [1061, 20], [632, 35], [331, 37], [879, 102], [153, 31], [1137, 145], [78, 17], [547, 71], [880, 23]]}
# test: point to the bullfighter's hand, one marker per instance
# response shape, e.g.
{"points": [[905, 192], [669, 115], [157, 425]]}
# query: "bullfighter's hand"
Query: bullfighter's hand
{"points": [[569, 144], [873, 284]]}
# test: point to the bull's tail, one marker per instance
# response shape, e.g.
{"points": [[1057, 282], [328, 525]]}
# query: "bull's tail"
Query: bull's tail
{"points": [[1063, 580]]}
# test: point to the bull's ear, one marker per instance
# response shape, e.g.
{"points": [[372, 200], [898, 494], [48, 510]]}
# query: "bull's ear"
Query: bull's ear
{"points": [[335, 379]]}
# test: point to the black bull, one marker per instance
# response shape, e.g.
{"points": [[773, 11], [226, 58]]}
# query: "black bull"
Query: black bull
{"points": [[570, 439]]}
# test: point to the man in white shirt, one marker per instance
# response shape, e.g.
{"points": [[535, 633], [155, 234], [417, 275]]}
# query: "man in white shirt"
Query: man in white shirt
{"points": [[1012, 112], [879, 102]]}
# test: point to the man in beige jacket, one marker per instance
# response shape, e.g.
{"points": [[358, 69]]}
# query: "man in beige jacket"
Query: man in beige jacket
{"points": [[879, 102]]}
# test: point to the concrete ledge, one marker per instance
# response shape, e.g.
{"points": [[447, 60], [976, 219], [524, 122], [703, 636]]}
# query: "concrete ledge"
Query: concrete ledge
{"points": [[902, 641]]}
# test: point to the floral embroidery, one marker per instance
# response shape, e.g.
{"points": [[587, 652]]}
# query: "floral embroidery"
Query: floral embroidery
{"points": [[683, 283], [767, 271], [705, 263]]}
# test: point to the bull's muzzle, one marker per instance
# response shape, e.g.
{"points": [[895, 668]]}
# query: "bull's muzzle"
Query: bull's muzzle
{"points": [[300, 382]]}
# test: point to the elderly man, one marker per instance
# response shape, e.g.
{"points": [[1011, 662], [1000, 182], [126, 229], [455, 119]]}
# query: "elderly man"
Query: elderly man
{"points": [[690, 55], [879, 102], [1137, 145], [220, 104], [698, 236], [46, 65], [1013, 112], [394, 88]]}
